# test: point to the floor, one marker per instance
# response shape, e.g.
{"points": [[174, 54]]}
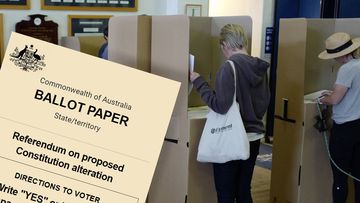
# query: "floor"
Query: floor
{"points": [[261, 185], [262, 175]]}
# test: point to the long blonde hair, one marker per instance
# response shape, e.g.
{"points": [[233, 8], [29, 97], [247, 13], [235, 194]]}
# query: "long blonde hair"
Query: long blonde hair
{"points": [[234, 36]]}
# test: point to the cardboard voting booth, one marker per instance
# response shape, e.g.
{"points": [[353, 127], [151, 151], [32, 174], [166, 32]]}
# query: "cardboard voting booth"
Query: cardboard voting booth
{"points": [[170, 39], [91, 44], [173, 39], [301, 169], [71, 43], [86, 44], [204, 45], [130, 41]]}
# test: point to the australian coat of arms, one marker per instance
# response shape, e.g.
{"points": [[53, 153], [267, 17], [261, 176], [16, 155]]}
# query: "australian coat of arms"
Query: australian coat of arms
{"points": [[28, 58]]}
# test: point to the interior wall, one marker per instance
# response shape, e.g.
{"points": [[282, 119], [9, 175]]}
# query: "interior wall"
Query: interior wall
{"points": [[172, 6], [261, 12], [204, 6], [11, 17]]}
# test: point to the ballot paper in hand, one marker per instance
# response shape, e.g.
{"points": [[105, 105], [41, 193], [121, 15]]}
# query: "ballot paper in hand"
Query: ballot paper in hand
{"points": [[191, 69], [191, 62], [314, 95], [76, 128]]}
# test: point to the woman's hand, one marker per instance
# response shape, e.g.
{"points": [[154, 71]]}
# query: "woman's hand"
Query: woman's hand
{"points": [[193, 76]]}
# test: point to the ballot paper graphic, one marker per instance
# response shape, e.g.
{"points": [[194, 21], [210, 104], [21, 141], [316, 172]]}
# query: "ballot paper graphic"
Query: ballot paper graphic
{"points": [[76, 128]]}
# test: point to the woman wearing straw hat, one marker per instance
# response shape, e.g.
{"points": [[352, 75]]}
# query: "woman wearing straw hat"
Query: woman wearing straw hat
{"points": [[345, 99]]}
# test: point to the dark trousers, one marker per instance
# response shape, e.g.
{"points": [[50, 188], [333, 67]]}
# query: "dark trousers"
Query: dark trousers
{"points": [[345, 151], [233, 178]]}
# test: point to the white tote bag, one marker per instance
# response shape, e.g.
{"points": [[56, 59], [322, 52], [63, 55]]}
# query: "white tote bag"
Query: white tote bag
{"points": [[224, 137]]}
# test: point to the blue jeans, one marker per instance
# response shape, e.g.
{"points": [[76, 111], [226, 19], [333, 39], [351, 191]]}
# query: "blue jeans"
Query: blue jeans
{"points": [[233, 178]]}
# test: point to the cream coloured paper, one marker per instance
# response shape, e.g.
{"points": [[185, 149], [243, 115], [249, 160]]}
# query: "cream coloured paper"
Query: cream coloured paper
{"points": [[75, 128]]}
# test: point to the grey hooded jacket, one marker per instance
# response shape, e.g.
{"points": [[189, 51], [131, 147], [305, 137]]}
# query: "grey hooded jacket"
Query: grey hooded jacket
{"points": [[253, 94]]}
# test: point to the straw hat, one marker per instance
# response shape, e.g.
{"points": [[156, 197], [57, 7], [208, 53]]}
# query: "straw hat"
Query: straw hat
{"points": [[339, 44]]}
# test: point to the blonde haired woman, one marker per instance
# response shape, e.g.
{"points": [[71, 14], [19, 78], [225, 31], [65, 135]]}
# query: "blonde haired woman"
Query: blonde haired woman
{"points": [[233, 178]]}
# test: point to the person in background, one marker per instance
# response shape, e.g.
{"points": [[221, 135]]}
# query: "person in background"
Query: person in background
{"points": [[103, 51], [233, 178], [345, 98]]}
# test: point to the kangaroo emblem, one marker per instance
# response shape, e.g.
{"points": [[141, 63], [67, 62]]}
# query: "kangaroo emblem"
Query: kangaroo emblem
{"points": [[22, 52]]}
